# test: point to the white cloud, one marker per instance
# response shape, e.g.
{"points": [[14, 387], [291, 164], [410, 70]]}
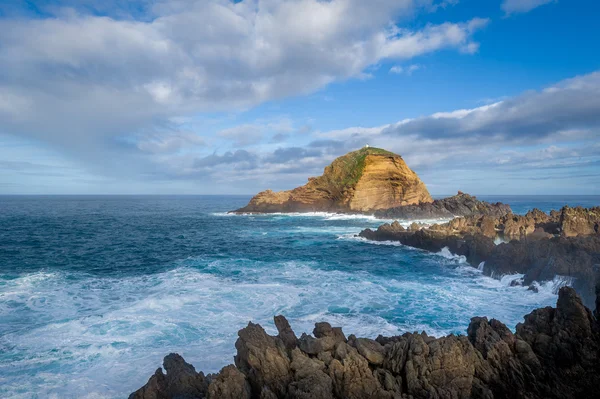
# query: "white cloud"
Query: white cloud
{"points": [[398, 69], [78, 80], [522, 6]]}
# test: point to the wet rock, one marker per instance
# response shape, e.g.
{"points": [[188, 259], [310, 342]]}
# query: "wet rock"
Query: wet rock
{"points": [[181, 381], [459, 205], [516, 282], [533, 288], [286, 334]]}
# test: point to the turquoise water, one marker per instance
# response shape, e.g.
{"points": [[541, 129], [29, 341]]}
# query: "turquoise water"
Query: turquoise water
{"points": [[94, 291]]}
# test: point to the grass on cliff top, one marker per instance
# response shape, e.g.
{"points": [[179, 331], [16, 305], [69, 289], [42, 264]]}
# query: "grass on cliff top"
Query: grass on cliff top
{"points": [[345, 171]]}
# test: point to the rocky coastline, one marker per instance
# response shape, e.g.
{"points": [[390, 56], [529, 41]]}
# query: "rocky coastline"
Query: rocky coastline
{"points": [[554, 353], [538, 245]]}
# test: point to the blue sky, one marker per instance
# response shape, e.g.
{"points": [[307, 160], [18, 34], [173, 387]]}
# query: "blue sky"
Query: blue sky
{"points": [[221, 97]]}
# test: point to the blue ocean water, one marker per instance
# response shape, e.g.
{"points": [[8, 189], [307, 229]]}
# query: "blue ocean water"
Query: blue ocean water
{"points": [[94, 291]]}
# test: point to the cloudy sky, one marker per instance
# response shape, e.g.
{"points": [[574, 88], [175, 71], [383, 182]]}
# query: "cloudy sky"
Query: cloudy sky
{"points": [[233, 97]]}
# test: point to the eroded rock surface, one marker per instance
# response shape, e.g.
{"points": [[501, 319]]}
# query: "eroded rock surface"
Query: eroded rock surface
{"points": [[553, 354], [361, 181]]}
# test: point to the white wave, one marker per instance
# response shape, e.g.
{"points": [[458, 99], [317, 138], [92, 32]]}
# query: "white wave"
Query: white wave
{"points": [[445, 252], [322, 215], [424, 222], [349, 230], [89, 331], [507, 279], [499, 240], [554, 285], [481, 266], [354, 237]]}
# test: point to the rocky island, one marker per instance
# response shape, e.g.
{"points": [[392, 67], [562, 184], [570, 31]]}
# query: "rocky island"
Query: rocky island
{"points": [[370, 180], [360, 181], [553, 354]]}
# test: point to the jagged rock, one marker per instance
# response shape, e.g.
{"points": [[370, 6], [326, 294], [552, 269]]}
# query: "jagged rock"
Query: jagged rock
{"points": [[155, 388], [263, 360], [352, 378], [360, 181], [310, 379], [444, 368], [579, 221], [181, 381], [286, 334], [414, 227], [230, 383], [553, 354], [533, 288], [459, 205], [370, 350], [326, 339], [488, 226]]}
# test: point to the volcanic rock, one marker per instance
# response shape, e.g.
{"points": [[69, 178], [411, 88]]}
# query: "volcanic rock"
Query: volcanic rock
{"points": [[182, 381], [459, 205], [555, 353], [535, 248], [361, 181], [579, 221]]}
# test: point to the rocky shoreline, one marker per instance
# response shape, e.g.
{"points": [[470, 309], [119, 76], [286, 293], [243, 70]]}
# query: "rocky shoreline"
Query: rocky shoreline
{"points": [[460, 204], [538, 245], [554, 353]]}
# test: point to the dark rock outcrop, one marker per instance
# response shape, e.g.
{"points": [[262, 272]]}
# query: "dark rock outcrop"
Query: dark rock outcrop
{"points": [[553, 354], [541, 246], [459, 205], [181, 381]]}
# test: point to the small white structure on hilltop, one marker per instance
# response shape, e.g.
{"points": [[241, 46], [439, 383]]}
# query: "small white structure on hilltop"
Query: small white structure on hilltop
{"points": [[366, 146]]}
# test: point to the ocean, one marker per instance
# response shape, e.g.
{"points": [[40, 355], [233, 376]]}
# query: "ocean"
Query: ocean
{"points": [[96, 290]]}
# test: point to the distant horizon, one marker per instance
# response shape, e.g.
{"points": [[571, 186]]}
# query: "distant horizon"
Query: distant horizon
{"points": [[435, 196]]}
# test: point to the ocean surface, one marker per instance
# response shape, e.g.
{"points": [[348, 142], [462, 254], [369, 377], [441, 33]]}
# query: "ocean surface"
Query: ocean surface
{"points": [[95, 291]]}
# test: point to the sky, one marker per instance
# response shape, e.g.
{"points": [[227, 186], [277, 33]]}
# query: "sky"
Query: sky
{"points": [[233, 97]]}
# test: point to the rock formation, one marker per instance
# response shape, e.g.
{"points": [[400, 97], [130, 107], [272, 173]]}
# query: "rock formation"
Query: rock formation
{"points": [[459, 205], [361, 181], [553, 354], [541, 246]]}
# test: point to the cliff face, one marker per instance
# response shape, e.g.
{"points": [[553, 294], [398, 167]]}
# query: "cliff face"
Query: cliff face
{"points": [[553, 354], [361, 181]]}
